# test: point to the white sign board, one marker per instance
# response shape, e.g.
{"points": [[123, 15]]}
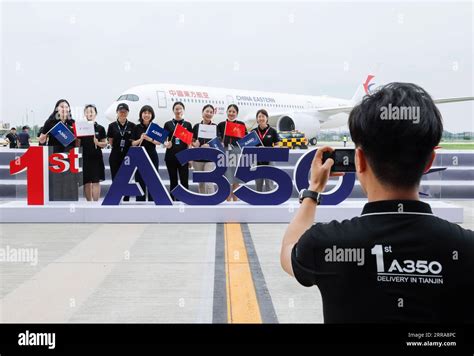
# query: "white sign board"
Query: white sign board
{"points": [[84, 128], [207, 131]]}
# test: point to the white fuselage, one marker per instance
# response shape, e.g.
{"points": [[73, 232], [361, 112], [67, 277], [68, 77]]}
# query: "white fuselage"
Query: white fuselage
{"points": [[162, 97]]}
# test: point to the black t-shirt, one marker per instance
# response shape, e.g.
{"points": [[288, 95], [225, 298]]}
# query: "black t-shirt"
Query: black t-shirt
{"points": [[24, 138], [150, 147], [87, 142], [118, 132], [13, 138], [415, 267], [268, 136], [202, 141], [52, 141], [228, 140], [176, 147]]}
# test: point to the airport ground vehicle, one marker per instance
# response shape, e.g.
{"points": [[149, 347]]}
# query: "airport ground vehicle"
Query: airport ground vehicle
{"points": [[3, 141], [293, 139]]}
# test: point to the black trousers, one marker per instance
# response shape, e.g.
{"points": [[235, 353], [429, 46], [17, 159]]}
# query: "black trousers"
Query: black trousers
{"points": [[115, 161], [175, 169], [141, 182]]}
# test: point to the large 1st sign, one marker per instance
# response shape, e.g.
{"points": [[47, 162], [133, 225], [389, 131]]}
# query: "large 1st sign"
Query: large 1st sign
{"points": [[137, 160], [37, 163]]}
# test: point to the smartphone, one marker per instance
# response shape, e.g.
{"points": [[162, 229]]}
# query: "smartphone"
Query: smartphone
{"points": [[343, 159]]}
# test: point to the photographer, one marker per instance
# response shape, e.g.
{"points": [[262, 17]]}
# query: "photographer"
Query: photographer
{"points": [[415, 267]]}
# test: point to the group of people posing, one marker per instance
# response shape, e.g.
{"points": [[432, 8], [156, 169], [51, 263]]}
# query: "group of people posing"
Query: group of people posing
{"points": [[123, 134]]}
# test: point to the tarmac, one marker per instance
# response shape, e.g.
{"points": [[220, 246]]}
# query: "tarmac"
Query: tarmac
{"points": [[153, 273]]}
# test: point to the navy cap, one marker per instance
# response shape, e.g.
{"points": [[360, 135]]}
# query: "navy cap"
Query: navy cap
{"points": [[122, 106]]}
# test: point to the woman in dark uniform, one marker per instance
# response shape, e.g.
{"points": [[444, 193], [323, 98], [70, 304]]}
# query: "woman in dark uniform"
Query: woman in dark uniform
{"points": [[269, 136], [175, 145], [119, 134], [233, 150], [202, 165], [62, 186], [93, 162], [140, 138]]}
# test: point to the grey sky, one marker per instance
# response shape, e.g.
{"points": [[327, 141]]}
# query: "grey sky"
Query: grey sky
{"points": [[90, 52]]}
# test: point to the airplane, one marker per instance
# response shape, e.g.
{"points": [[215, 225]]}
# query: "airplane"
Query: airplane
{"points": [[287, 112]]}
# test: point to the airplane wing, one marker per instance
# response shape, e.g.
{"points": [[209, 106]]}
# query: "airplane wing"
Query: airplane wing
{"points": [[453, 100], [334, 110], [329, 111], [347, 108]]}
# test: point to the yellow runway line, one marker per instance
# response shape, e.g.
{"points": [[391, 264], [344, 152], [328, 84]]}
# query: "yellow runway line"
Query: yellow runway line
{"points": [[242, 303]]}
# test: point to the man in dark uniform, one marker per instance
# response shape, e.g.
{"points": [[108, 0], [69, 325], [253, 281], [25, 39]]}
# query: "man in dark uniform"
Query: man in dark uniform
{"points": [[119, 134], [12, 138], [24, 137], [397, 261]]}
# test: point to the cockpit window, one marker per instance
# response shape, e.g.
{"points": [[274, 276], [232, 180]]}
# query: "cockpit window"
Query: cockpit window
{"points": [[129, 97], [132, 97]]}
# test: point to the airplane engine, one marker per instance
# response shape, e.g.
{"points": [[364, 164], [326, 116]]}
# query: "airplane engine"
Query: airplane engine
{"points": [[308, 124]]}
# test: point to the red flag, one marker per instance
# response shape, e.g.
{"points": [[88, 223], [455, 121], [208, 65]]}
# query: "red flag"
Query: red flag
{"points": [[183, 134], [234, 130]]}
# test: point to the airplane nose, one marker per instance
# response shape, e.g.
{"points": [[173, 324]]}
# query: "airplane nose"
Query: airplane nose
{"points": [[110, 112]]}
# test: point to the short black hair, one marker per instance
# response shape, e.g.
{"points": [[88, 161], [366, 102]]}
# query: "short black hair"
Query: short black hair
{"points": [[144, 109], [13, 128], [208, 106], [261, 111], [397, 148], [179, 103], [233, 106], [90, 106], [25, 127]]}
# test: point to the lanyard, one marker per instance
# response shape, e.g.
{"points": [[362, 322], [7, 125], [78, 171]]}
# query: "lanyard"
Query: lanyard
{"points": [[262, 136], [122, 132], [176, 123]]}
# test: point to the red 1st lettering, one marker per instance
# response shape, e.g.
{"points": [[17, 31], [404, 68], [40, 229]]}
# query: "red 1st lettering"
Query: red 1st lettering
{"points": [[35, 162]]}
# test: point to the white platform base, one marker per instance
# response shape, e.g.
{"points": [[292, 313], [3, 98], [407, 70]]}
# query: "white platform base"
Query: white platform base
{"points": [[239, 212]]}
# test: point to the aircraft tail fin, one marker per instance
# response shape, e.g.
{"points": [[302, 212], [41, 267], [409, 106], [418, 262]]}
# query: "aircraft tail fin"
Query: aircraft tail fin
{"points": [[367, 86]]}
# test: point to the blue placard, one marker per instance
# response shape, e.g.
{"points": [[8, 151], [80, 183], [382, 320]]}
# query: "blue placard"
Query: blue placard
{"points": [[62, 134], [157, 133], [249, 140], [216, 143]]}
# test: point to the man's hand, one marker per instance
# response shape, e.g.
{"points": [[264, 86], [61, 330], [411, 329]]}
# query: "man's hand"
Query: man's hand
{"points": [[320, 172], [304, 217]]}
